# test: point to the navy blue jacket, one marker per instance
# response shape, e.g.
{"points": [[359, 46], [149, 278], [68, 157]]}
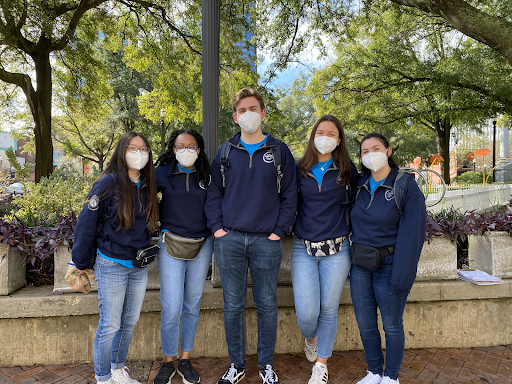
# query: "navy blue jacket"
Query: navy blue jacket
{"points": [[111, 243], [322, 209], [182, 207], [250, 202], [376, 222]]}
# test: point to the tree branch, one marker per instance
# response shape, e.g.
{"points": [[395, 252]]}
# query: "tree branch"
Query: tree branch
{"points": [[490, 30]]}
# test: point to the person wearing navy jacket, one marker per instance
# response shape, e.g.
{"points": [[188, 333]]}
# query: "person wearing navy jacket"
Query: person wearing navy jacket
{"points": [[130, 178], [397, 238], [320, 260], [249, 209], [182, 176]]}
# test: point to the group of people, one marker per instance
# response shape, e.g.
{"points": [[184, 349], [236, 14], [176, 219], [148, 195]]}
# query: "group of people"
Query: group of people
{"points": [[244, 203]]}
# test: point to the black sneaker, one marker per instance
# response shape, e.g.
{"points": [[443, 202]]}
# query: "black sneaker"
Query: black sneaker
{"points": [[268, 375], [233, 375], [165, 373], [187, 372]]}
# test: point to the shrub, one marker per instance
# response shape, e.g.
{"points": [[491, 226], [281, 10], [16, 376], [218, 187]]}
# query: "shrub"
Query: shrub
{"points": [[52, 197], [471, 177]]}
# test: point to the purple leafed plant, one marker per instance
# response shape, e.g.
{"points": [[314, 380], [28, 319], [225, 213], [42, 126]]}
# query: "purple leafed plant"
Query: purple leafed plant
{"points": [[38, 243]]}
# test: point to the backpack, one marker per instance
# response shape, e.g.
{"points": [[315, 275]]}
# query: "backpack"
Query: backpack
{"points": [[398, 189], [276, 153]]}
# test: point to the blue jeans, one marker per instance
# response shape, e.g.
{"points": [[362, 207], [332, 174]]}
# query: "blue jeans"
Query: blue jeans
{"points": [[369, 290], [236, 252], [181, 288], [121, 292], [317, 286]]}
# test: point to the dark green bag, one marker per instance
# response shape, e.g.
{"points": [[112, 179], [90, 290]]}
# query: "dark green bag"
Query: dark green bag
{"points": [[180, 247]]}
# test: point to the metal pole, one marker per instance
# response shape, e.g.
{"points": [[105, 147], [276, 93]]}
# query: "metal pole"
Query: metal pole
{"points": [[493, 149], [210, 69]]}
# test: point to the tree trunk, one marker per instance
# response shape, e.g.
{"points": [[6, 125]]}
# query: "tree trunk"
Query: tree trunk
{"points": [[41, 108], [443, 129]]}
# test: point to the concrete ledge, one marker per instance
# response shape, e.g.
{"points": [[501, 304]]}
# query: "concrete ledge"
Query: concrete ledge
{"points": [[42, 302], [39, 327]]}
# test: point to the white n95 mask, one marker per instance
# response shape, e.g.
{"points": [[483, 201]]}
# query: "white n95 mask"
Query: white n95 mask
{"points": [[136, 160], [375, 160], [249, 121], [186, 158], [325, 144]]}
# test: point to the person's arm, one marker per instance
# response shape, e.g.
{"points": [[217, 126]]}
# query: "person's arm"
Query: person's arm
{"points": [[288, 196], [215, 194], [85, 230], [410, 239]]}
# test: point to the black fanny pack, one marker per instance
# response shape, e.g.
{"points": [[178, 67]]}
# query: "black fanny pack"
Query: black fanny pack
{"points": [[366, 256], [146, 256]]}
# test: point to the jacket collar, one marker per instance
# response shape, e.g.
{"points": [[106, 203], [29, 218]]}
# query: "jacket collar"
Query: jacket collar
{"points": [[235, 140], [364, 180]]}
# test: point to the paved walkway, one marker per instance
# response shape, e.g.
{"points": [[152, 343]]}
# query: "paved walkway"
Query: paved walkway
{"points": [[492, 365]]}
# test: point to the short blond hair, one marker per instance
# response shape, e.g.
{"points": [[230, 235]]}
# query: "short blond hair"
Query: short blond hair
{"points": [[247, 92]]}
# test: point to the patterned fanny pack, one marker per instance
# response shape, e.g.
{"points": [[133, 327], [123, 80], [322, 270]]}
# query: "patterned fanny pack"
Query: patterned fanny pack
{"points": [[323, 248]]}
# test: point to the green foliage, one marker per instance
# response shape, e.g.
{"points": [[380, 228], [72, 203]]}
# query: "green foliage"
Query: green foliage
{"points": [[400, 71], [296, 115], [471, 177], [51, 197], [22, 171]]}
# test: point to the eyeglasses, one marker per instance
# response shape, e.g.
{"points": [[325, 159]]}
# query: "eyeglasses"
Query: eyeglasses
{"points": [[134, 148], [181, 148]]}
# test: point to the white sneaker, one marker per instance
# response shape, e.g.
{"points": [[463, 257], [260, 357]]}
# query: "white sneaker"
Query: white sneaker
{"points": [[388, 380], [371, 378], [109, 381], [310, 351], [268, 375], [120, 376], [319, 375]]}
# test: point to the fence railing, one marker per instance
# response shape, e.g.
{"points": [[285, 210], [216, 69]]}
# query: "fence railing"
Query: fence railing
{"points": [[470, 197]]}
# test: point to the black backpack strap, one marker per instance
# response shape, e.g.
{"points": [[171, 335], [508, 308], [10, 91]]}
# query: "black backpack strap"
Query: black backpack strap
{"points": [[111, 210], [276, 153], [347, 206], [399, 190], [224, 153]]}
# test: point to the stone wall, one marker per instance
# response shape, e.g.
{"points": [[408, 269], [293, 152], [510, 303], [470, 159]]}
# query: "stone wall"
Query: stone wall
{"points": [[39, 327]]}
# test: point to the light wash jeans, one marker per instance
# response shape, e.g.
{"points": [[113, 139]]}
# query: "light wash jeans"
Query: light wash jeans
{"points": [[121, 292], [317, 286], [181, 288], [236, 252], [369, 290]]}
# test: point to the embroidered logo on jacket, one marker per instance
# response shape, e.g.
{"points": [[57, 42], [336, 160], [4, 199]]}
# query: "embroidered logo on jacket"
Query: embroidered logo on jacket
{"points": [[94, 203], [268, 157], [201, 183], [389, 195]]}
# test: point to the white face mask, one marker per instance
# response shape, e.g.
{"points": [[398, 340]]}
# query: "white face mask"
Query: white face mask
{"points": [[136, 160], [186, 158], [249, 121], [325, 144], [375, 160]]}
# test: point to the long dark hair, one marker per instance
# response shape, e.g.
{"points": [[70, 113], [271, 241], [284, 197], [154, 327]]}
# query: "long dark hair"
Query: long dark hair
{"points": [[202, 163], [340, 153], [119, 169], [384, 141]]}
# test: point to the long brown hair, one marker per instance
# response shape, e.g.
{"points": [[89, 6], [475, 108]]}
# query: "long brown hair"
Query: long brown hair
{"points": [[119, 169], [340, 153]]}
